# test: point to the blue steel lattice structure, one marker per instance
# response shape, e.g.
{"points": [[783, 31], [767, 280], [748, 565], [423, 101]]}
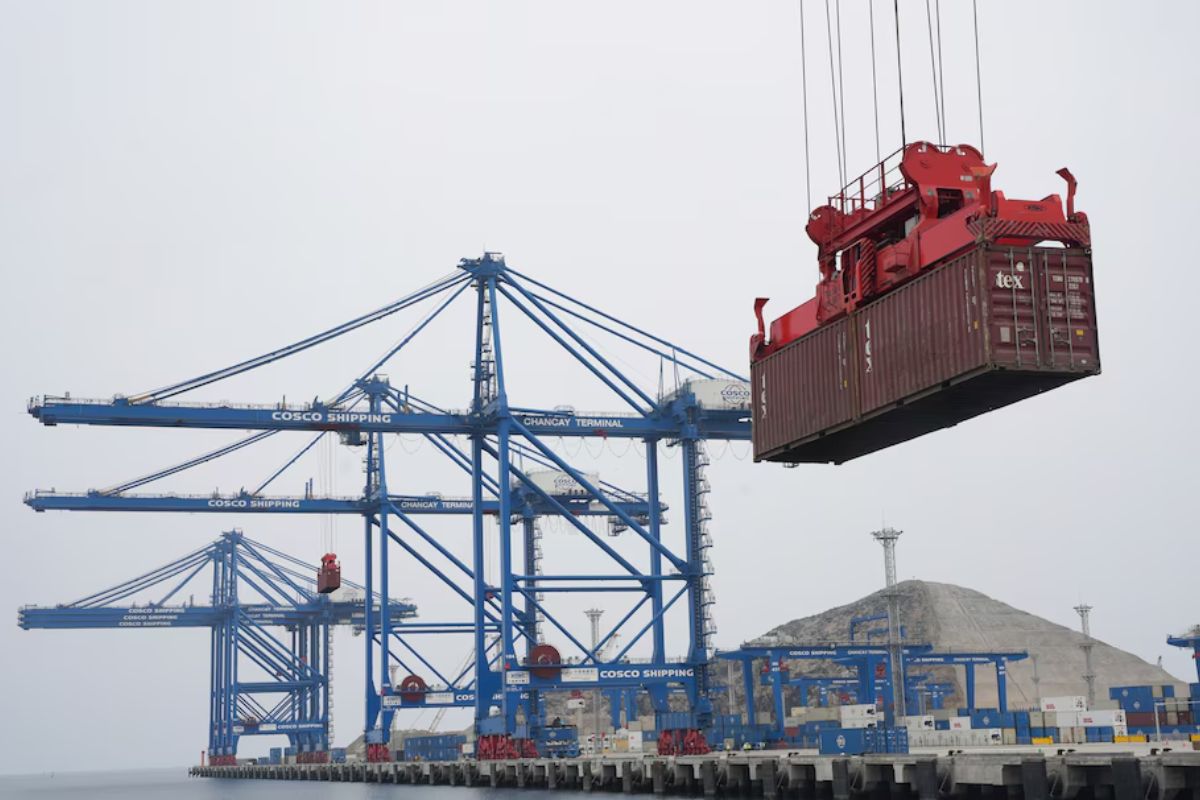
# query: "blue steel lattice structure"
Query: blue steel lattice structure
{"points": [[512, 660], [872, 684], [261, 683]]}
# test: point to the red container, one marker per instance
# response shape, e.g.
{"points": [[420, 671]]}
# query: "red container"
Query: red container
{"points": [[329, 576], [994, 326], [789, 405]]}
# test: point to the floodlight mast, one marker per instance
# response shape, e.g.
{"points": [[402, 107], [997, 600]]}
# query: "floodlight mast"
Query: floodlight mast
{"points": [[887, 537]]}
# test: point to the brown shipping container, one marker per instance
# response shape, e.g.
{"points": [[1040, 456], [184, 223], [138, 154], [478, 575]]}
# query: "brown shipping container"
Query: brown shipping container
{"points": [[994, 326], [789, 405]]}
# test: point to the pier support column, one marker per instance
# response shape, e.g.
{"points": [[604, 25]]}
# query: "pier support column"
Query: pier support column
{"points": [[1127, 779], [927, 779], [770, 783], [708, 778], [841, 779], [658, 777], [1033, 779]]}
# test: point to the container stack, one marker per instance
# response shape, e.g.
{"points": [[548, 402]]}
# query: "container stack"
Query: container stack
{"points": [[443, 747], [858, 716]]}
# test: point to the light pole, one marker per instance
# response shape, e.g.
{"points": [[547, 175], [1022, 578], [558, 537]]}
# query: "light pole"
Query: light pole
{"points": [[593, 615], [1089, 675], [887, 537]]}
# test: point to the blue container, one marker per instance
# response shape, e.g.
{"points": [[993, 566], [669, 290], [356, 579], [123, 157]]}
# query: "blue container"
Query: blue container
{"points": [[848, 741], [1024, 739], [941, 724], [895, 739], [289, 751], [1168, 690], [1051, 732], [338, 755], [1194, 690]]}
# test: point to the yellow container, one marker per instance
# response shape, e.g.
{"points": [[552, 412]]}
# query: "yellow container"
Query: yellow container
{"points": [[1195, 737], [1042, 740], [1135, 737]]}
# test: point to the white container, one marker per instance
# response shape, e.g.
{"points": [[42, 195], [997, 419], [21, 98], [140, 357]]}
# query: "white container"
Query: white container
{"points": [[860, 711], [1066, 703], [557, 483], [1120, 730], [1062, 719], [712, 393], [995, 735], [922, 723], [960, 723], [1101, 719], [860, 722]]}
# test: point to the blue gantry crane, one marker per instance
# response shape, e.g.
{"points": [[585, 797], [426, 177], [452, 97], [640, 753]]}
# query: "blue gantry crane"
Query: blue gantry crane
{"points": [[271, 648], [871, 664], [1189, 641], [492, 441]]}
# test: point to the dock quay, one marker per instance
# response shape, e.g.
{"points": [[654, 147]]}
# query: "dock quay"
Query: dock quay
{"points": [[775, 775]]}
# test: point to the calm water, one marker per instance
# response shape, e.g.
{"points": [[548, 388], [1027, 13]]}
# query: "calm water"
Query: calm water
{"points": [[174, 784]]}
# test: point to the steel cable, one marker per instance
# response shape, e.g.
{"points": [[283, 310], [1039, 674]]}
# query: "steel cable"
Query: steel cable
{"points": [[899, 72], [834, 97], [804, 105], [978, 72], [874, 80], [934, 76]]}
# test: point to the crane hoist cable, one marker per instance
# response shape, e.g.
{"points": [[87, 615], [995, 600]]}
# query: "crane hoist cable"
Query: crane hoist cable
{"points": [[899, 71], [837, 12], [837, 128], [937, 105], [978, 72], [804, 102], [874, 80], [937, 10]]}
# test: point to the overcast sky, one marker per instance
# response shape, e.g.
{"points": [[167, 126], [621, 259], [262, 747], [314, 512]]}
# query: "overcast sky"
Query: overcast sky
{"points": [[186, 184]]}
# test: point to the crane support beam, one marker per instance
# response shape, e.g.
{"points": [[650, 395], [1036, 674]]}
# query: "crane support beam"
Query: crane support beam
{"points": [[282, 504], [709, 423]]}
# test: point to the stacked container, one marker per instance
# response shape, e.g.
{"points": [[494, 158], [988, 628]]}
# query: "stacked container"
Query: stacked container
{"points": [[858, 716]]}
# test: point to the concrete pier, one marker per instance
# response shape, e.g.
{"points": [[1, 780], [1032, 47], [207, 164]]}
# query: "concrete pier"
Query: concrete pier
{"points": [[780, 775]]}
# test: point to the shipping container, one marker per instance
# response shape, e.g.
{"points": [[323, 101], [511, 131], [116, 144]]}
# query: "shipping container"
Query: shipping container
{"points": [[992, 327], [848, 741], [1066, 703]]}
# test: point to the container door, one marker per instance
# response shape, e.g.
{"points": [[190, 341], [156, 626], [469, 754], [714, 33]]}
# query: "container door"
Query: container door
{"points": [[921, 336], [1069, 338], [1014, 320]]}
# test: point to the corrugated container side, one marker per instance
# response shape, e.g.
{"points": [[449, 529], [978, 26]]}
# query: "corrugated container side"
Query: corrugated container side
{"points": [[920, 335], [991, 328], [803, 389]]}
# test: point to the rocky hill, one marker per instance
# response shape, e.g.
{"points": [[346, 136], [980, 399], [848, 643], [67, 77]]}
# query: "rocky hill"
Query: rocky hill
{"points": [[956, 618]]}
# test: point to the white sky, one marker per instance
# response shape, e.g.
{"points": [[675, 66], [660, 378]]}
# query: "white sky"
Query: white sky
{"points": [[183, 185]]}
